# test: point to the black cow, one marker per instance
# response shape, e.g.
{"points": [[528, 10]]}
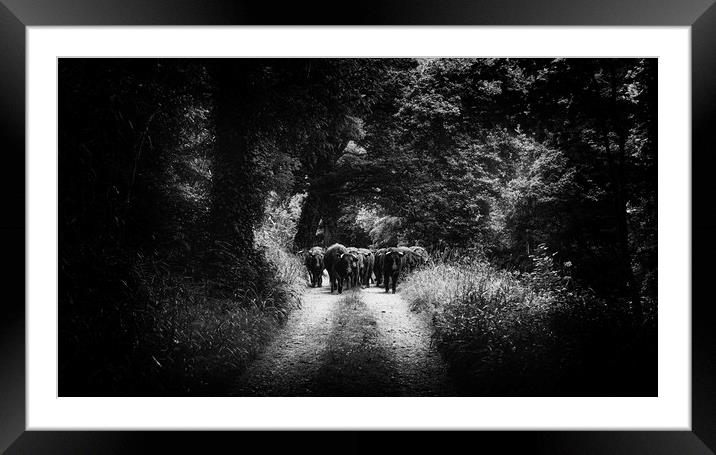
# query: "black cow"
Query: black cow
{"points": [[422, 254], [411, 260], [368, 264], [347, 270], [378, 265], [314, 264], [357, 265], [331, 261], [393, 261], [341, 266]]}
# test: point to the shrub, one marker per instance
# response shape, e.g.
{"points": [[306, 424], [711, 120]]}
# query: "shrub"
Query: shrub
{"points": [[197, 344], [488, 324], [510, 333], [193, 343], [200, 339], [150, 326]]}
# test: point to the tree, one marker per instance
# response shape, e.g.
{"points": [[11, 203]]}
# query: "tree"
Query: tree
{"points": [[337, 92]]}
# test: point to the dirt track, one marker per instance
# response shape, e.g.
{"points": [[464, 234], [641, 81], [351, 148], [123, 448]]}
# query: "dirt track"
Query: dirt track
{"points": [[362, 343]]}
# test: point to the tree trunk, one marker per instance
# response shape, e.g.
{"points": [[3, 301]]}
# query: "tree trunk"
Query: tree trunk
{"points": [[329, 217], [617, 171], [321, 208], [308, 223], [235, 205], [623, 234], [330, 228]]}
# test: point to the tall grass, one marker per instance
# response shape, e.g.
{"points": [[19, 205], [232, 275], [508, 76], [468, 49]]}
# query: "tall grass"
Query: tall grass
{"points": [[198, 343], [155, 327], [510, 333]]}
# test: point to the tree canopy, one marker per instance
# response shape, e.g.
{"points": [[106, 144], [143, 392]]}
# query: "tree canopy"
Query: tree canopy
{"points": [[178, 159]]}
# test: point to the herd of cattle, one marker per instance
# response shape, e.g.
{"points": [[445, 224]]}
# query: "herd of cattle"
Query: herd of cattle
{"points": [[351, 267]]}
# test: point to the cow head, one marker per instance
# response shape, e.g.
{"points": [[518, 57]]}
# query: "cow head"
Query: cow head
{"points": [[351, 260]]}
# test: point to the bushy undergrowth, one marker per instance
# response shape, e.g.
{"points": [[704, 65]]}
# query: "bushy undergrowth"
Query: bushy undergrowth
{"points": [[148, 327], [200, 343], [536, 333]]}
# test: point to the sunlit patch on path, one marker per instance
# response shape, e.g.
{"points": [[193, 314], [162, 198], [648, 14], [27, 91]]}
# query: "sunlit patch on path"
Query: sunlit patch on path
{"points": [[287, 365], [361, 343], [419, 368]]}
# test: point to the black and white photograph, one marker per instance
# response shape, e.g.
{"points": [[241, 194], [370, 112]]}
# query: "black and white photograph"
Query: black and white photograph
{"points": [[357, 227]]}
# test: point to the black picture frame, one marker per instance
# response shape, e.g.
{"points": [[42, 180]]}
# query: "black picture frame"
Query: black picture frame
{"points": [[16, 15]]}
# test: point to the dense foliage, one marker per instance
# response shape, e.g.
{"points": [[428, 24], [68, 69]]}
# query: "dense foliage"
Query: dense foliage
{"points": [[184, 185], [535, 333]]}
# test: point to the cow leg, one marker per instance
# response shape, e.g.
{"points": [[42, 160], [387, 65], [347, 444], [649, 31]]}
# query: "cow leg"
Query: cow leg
{"points": [[395, 280], [386, 282]]}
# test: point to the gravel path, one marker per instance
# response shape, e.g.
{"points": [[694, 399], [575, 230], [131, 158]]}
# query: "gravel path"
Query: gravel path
{"points": [[361, 343]]}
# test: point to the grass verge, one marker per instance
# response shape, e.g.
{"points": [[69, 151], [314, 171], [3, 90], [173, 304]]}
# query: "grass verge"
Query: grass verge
{"points": [[159, 333], [510, 334]]}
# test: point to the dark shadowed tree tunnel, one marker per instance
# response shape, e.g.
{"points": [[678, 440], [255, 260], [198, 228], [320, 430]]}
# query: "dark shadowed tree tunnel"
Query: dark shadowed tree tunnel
{"points": [[186, 186]]}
